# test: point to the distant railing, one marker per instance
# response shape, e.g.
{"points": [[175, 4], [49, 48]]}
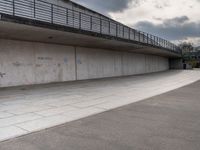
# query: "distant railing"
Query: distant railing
{"points": [[54, 14]]}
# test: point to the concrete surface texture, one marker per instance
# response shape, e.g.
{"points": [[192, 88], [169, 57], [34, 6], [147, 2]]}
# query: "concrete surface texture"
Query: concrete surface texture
{"points": [[165, 122], [26, 63], [28, 109]]}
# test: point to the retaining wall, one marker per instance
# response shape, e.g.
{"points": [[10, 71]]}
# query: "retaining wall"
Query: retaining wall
{"points": [[25, 63]]}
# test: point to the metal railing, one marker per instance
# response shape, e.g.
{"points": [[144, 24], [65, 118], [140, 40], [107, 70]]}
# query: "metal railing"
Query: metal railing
{"points": [[54, 14]]}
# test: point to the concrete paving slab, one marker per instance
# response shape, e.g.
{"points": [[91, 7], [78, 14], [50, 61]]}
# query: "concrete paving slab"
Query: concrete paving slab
{"points": [[5, 115], [34, 108], [18, 119], [11, 132], [168, 121]]}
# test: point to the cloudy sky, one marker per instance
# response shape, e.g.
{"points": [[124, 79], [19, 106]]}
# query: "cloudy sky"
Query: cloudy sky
{"points": [[175, 20]]}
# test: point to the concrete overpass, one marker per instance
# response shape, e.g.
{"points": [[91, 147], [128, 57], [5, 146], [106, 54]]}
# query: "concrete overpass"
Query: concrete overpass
{"points": [[56, 41]]}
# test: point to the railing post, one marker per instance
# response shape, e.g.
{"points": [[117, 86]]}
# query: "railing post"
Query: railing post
{"points": [[123, 31], [73, 18], [109, 27], [13, 7], [143, 37], [66, 16], [163, 44], [167, 44], [139, 36], [160, 42], [100, 25], [156, 41], [116, 30], [91, 23], [79, 20], [129, 33], [51, 13], [34, 9], [150, 40]]}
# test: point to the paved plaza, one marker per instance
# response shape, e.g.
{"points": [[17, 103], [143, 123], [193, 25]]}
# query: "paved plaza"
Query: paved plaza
{"points": [[24, 110]]}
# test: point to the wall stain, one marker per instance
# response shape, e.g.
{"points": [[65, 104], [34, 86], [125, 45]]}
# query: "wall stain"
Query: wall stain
{"points": [[65, 60], [79, 61], [38, 65]]}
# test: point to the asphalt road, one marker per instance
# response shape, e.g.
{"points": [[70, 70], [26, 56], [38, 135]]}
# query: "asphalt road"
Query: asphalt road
{"points": [[169, 121]]}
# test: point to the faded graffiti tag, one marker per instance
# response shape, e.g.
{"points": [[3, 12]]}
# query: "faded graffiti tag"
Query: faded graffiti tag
{"points": [[17, 64], [2, 74]]}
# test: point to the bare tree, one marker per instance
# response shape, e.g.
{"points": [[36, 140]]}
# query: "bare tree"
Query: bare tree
{"points": [[186, 47]]}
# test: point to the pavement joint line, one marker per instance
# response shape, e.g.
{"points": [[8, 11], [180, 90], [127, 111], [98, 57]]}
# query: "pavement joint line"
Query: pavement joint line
{"points": [[22, 128]]}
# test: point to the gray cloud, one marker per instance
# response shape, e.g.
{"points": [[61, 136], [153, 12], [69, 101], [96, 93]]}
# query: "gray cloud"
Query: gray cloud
{"points": [[176, 21], [106, 6], [179, 28]]}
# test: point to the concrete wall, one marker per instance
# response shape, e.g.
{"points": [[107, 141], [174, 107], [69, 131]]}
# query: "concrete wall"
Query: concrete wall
{"points": [[24, 63], [98, 63]]}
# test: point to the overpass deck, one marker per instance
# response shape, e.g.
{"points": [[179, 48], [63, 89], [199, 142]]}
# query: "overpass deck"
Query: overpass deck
{"points": [[80, 26]]}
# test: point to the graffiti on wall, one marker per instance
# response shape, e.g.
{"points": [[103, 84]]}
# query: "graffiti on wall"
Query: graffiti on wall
{"points": [[17, 64], [2, 74], [45, 58]]}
